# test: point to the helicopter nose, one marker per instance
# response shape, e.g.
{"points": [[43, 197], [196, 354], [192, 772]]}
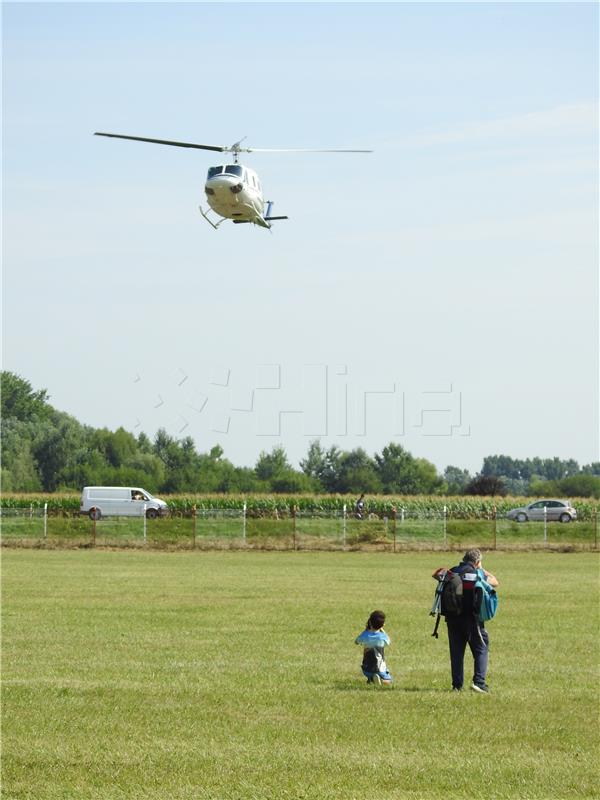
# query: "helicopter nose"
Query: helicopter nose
{"points": [[220, 182]]}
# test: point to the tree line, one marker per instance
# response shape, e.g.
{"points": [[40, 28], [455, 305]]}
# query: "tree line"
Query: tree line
{"points": [[45, 449]]}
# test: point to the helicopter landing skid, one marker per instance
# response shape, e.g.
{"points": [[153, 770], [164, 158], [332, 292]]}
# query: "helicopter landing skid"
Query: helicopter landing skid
{"points": [[215, 225]]}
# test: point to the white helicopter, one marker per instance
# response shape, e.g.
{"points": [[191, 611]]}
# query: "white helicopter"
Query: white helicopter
{"points": [[233, 191]]}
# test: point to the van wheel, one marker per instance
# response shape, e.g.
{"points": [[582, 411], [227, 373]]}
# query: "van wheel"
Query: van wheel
{"points": [[152, 513], [95, 513]]}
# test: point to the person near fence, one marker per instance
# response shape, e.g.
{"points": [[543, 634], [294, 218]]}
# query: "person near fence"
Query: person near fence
{"points": [[359, 507], [374, 640], [466, 628]]}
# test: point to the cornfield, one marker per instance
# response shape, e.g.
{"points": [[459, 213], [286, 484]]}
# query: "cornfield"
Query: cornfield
{"points": [[281, 506]]}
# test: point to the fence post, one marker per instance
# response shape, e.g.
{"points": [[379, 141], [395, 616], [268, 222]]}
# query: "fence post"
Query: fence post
{"points": [[145, 523], [545, 526], [445, 528], [595, 529], [294, 524], [495, 527], [394, 526], [45, 520], [94, 531], [344, 527], [194, 518], [244, 523]]}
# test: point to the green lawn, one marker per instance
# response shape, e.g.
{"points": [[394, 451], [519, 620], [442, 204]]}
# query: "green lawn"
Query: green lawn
{"points": [[233, 675], [308, 531]]}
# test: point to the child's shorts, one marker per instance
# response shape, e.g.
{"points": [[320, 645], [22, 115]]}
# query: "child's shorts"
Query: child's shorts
{"points": [[384, 676]]}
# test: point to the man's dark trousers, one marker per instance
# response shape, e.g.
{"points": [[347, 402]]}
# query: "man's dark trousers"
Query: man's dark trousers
{"points": [[461, 630]]}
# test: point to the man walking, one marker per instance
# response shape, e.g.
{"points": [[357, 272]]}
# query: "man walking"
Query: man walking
{"points": [[466, 628]]}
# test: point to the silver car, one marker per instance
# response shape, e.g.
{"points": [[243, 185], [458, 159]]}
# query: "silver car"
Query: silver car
{"points": [[551, 510]]}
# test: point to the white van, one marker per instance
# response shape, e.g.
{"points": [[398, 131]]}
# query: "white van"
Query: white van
{"points": [[120, 501]]}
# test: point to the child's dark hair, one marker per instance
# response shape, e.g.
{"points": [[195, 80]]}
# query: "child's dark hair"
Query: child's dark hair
{"points": [[375, 621]]}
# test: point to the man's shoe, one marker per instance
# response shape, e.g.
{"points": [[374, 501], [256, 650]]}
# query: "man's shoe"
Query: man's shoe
{"points": [[481, 688], [376, 680]]}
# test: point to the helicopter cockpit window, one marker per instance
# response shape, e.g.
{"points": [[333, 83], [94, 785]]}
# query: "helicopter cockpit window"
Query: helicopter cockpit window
{"points": [[212, 171], [234, 169]]}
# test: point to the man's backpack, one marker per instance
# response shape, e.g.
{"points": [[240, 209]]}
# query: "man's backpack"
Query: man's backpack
{"points": [[461, 593], [488, 604], [452, 596]]}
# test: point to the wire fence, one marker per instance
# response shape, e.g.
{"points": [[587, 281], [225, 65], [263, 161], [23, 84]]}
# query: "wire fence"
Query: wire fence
{"points": [[206, 528]]}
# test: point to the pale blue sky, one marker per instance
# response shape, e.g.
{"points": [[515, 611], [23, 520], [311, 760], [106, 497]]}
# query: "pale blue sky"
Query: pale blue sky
{"points": [[441, 292]]}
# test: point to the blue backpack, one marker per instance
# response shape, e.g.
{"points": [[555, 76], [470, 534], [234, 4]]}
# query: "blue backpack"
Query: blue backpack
{"points": [[488, 600]]}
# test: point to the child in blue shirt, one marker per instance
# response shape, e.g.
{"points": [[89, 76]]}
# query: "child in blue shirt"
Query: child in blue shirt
{"points": [[374, 640]]}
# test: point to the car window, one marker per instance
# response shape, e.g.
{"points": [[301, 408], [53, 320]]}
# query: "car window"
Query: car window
{"points": [[539, 504]]}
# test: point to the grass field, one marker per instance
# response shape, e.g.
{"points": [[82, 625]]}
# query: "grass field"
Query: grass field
{"points": [[222, 529], [233, 676]]}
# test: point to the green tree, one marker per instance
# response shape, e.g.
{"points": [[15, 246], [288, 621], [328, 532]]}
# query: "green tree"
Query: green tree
{"points": [[488, 485], [240, 479], [591, 469], [358, 473], [182, 466], [581, 485], [117, 447], [20, 469], [269, 465], [20, 401], [512, 469], [55, 445], [428, 480], [402, 473], [144, 444], [149, 469], [331, 474], [397, 470], [216, 474], [456, 479], [291, 482], [505, 466], [315, 464]]}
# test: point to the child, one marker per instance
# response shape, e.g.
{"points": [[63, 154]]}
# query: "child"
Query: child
{"points": [[374, 640]]}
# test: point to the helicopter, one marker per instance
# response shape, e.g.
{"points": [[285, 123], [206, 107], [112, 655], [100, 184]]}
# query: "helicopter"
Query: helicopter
{"points": [[233, 191]]}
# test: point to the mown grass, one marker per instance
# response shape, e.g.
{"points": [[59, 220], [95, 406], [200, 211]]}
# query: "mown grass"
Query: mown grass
{"points": [[233, 675]]}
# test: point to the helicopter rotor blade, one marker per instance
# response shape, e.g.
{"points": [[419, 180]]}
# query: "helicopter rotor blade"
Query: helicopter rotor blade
{"points": [[234, 148], [165, 141], [302, 150]]}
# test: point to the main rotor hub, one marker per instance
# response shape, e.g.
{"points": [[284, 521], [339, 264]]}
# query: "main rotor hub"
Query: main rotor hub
{"points": [[236, 150]]}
